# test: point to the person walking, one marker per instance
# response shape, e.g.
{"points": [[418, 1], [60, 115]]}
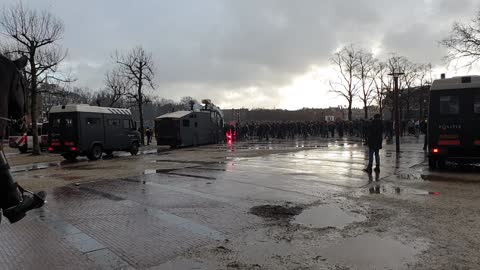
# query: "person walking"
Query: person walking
{"points": [[148, 133], [374, 139]]}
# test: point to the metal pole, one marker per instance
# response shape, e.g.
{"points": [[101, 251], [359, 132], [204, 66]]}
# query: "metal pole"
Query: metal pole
{"points": [[397, 115]]}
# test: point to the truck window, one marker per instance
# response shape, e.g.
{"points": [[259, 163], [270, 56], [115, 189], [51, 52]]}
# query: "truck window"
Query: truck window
{"points": [[113, 122], [186, 123], [127, 124], [68, 122], [476, 104], [93, 121], [56, 122], [449, 105]]}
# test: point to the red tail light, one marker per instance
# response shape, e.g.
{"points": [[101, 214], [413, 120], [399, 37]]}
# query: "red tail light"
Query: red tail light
{"points": [[73, 148], [435, 150], [50, 149]]}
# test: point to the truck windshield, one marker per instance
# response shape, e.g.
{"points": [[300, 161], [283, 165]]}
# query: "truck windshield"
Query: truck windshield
{"points": [[449, 105]]}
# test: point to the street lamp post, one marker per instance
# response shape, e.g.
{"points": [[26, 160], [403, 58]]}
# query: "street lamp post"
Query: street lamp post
{"points": [[396, 109]]}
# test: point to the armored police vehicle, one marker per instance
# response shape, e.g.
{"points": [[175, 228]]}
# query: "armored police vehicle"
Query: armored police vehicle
{"points": [[83, 130], [454, 120], [201, 125]]}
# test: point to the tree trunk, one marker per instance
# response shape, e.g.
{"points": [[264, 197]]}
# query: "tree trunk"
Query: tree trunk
{"points": [[140, 108], [350, 110], [408, 104], [365, 108], [33, 105]]}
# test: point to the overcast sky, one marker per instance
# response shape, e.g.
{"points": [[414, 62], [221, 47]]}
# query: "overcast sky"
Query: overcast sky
{"points": [[250, 53]]}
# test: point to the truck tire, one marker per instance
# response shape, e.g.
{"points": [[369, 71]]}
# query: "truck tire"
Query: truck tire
{"points": [[70, 157], [441, 163], [134, 149], [432, 163], [95, 152]]}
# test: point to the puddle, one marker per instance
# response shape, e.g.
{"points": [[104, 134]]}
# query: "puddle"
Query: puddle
{"points": [[409, 176], [370, 252], [170, 172], [189, 161], [452, 177], [154, 171], [327, 216], [386, 189], [33, 167], [276, 211]]}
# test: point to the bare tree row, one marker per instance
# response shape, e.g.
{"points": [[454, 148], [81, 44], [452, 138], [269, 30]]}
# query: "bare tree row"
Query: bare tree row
{"points": [[361, 76]]}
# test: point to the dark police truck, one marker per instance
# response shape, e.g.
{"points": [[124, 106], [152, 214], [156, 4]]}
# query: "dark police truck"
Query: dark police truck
{"points": [[83, 130], [202, 125], [454, 121]]}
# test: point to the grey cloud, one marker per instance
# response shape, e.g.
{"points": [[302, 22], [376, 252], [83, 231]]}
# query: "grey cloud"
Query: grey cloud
{"points": [[216, 47]]}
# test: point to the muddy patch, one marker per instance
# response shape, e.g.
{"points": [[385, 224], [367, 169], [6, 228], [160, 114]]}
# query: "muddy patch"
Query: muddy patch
{"points": [[371, 252], [328, 215], [276, 211], [182, 263]]}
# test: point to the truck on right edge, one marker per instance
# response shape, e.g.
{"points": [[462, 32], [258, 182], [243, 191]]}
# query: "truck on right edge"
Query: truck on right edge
{"points": [[454, 121]]}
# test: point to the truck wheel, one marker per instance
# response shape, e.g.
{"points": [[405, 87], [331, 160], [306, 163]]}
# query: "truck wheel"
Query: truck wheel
{"points": [[134, 149], [23, 149], [441, 164], [95, 153], [70, 157], [432, 163]]}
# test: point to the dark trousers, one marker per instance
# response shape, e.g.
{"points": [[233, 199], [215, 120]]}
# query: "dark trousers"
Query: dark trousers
{"points": [[371, 152]]}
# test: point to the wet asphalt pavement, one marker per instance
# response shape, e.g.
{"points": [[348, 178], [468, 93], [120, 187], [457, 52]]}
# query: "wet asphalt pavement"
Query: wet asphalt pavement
{"points": [[302, 204]]}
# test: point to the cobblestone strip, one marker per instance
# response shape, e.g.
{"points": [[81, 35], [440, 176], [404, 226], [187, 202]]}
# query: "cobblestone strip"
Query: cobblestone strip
{"points": [[95, 251], [180, 222], [30, 245]]}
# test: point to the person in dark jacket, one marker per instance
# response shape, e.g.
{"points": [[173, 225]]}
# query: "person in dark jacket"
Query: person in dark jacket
{"points": [[374, 139], [148, 133]]}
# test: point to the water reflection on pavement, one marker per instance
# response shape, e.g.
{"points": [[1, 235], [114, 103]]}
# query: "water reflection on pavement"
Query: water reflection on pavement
{"points": [[176, 212]]}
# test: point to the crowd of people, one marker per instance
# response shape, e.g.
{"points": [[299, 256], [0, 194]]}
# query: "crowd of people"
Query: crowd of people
{"points": [[324, 129]]}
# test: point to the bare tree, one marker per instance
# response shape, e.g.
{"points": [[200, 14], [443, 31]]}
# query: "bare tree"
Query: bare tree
{"points": [[410, 78], [382, 84], [346, 85], [34, 34], [395, 64], [365, 73], [187, 102], [464, 42], [137, 67], [424, 79], [117, 86]]}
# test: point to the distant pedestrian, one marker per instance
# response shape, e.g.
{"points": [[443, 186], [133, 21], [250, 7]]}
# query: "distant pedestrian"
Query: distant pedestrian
{"points": [[374, 139], [423, 130], [148, 133]]}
